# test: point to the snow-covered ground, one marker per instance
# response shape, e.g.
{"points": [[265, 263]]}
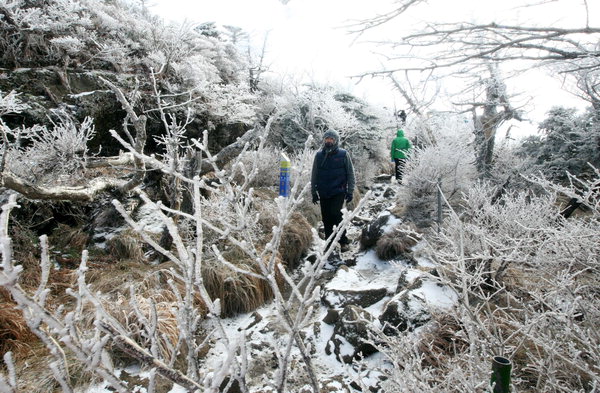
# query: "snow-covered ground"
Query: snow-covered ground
{"points": [[260, 331]]}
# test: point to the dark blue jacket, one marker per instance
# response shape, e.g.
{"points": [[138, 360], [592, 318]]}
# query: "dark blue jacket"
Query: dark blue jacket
{"points": [[332, 173]]}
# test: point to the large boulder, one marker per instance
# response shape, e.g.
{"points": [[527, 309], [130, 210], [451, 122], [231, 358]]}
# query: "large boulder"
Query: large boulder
{"points": [[350, 287]]}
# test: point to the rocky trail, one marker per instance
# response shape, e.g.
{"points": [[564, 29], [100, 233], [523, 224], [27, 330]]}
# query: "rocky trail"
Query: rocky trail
{"points": [[357, 288]]}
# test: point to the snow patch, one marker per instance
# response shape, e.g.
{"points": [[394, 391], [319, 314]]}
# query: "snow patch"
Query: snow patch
{"points": [[347, 280], [149, 219], [178, 389], [85, 93], [441, 297], [392, 222], [378, 273]]}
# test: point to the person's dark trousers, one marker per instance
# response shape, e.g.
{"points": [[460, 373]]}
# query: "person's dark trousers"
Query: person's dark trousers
{"points": [[331, 211], [399, 167]]}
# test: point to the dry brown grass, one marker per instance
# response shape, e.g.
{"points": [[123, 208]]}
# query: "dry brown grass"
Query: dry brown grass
{"points": [[163, 303], [400, 208], [25, 246], [127, 245], [65, 237], [148, 281], [15, 335], [395, 244], [36, 377], [22, 236], [239, 293], [296, 240], [442, 341], [265, 193], [117, 277], [297, 233], [27, 251], [152, 291]]}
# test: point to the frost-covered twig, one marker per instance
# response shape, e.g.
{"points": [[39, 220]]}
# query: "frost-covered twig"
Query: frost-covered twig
{"points": [[8, 383], [51, 328], [585, 191], [131, 348], [522, 274]]}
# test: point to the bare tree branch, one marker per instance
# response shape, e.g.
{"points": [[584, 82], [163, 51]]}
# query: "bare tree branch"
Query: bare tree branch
{"points": [[450, 48], [131, 348], [139, 124], [379, 20], [62, 193]]}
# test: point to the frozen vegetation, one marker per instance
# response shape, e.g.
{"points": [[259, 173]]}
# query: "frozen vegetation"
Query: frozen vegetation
{"points": [[145, 247]]}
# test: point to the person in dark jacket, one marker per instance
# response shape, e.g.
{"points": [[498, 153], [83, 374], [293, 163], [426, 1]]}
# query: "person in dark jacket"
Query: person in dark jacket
{"points": [[332, 182], [400, 147]]}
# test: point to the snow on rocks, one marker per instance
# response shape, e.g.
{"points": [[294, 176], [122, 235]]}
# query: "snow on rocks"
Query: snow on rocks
{"points": [[360, 293], [349, 287], [396, 295], [377, 228], [350, 335]]}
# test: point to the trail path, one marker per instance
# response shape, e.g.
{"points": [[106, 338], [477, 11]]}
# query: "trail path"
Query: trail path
{"points": [[360, 271]]}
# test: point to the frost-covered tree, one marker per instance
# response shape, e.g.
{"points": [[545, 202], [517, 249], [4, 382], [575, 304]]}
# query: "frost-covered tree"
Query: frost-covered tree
{"points": [[68, 45], [522, 275], [220, 233], [568, 144], [92, 34], [488, 118], [449, 45], [448, 164], [304, 111], [457, 52], [310, 111]]}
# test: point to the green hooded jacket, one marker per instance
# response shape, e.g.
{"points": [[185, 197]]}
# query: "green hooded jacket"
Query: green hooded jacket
{"points": [[400, 145]]}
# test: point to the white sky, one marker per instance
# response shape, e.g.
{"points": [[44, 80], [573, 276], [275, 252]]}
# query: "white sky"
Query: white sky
{"points": [[307, 38]]}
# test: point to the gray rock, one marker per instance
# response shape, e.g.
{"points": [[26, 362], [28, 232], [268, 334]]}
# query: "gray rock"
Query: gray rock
{"points": [[388, 193], [256, 318], [373, 231], [405, 311], [332, 316], [338, 298], [383, 178], [403, 282], [350, 335]]}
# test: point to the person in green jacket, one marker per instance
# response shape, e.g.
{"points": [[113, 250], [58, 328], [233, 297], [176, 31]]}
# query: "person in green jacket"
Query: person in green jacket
{"points": [[400, 148]]}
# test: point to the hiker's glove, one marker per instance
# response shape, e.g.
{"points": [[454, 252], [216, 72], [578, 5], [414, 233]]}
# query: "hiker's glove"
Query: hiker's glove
{"points": [[315, 198], [348, 198]]}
